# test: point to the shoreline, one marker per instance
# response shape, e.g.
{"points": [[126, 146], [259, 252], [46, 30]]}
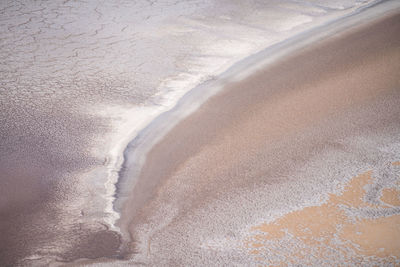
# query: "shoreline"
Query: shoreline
{"points": [[137, 149], [164, 188], [78, 88]]}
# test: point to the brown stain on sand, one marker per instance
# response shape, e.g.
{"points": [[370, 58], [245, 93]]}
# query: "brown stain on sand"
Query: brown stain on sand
{"points": [[318, 228]]}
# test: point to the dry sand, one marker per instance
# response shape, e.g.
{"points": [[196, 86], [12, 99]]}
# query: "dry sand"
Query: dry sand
{"points": [[318, 229], [261, 173]]}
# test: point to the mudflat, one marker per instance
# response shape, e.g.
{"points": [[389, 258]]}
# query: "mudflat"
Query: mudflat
{"points": [[253, 174]]}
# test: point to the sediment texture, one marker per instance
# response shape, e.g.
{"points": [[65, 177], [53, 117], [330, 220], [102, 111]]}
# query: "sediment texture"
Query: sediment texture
{"points": [[79, 79], [263, 172]]}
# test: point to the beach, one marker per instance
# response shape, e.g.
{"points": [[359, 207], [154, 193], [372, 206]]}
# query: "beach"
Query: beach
{"points": [[285, 139]]}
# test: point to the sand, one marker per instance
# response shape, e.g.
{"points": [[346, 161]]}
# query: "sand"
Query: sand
{"points": [[275, 154], [319, 228], [79, 81]]}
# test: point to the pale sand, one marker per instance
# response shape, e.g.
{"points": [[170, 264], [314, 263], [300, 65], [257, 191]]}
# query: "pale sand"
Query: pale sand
{"points": [[259, 133]]}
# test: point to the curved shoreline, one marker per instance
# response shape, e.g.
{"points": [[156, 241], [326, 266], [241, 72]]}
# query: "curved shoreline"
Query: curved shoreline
{"points": [[279, 141], [149, 136], [137, 149], [78, 87]]}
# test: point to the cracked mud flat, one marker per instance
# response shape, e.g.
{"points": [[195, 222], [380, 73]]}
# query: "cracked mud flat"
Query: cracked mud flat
{"points": [[81, 79]]}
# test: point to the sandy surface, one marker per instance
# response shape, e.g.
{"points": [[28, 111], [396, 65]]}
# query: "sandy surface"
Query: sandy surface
{"points": [[327, 231], [80, 79], [264, 169]]}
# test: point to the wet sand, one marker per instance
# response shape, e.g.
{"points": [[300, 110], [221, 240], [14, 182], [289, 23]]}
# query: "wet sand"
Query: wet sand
{"points": [[284, 139], [31, 219]]}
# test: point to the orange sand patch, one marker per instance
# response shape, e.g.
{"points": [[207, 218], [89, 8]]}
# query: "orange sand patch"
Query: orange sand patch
{"points": [[319, 228], [391, 196]]}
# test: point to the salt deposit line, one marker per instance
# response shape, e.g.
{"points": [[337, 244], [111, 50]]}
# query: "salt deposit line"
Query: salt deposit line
{"points": [[137, 149]]}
